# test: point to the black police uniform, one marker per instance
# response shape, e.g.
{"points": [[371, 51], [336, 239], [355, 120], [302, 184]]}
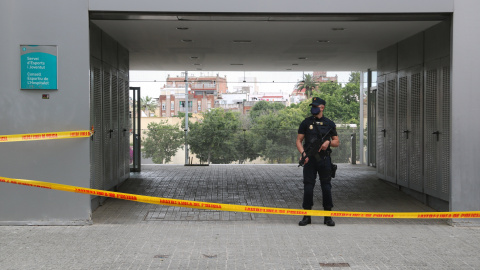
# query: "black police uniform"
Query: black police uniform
{"points": [[314, 129]]}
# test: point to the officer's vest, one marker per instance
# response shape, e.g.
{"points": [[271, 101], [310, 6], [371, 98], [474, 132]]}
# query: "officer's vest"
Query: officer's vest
{"points": [[316, 130]]}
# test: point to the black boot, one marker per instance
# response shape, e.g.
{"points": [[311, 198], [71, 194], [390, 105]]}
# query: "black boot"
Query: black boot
{"points": [[328, 221], [305, 221]]}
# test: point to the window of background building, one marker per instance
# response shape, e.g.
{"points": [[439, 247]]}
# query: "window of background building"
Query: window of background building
{"points": [[163, 106], [172, 105]]}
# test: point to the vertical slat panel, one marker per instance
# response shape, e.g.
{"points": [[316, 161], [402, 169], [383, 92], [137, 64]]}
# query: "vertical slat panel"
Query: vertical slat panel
{"points": [[380, 126], [107, 126], [127, 126], [431, 155], [415, 177], [97, 161], [445, 136], [402, 154], [121, 126], [390, 142], [115, 133]]}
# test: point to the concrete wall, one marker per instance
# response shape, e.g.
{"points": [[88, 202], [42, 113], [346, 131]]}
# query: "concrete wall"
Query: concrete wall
{"points": [[47, 22], [465, 173]]}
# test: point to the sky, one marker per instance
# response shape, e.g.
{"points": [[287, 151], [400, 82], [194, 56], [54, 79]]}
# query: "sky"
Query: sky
{"points": [[150, 82]]}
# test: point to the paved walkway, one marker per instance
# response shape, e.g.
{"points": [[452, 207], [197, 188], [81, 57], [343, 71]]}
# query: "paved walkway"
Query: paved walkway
{"points": [[130, 235]]}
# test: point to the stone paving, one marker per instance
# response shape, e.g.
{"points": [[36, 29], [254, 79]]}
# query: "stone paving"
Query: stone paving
{"points": [[130, 235]]}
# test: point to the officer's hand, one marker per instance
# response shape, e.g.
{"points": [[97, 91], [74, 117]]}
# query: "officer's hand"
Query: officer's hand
{"points": [[306, 160], [324, 146]]}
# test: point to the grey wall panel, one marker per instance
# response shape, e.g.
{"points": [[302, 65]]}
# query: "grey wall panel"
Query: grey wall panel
{"points": [[410, 52], [24, 111], [437, 41], [387, 60]]}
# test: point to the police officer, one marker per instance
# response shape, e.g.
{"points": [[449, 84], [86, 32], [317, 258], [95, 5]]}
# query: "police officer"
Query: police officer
{"points": [[311, 129]]}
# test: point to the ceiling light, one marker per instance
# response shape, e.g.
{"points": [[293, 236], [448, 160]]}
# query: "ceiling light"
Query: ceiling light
{"points": [[242, 41], [187, 40], [289, 69], [323, 41], [199, 69], [196, 64], [302, 58], [339, 29], [294, 64], [182, 28], [193, 57], [236, 64]]}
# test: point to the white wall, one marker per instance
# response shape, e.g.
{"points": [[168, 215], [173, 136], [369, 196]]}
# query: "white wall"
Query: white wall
{"points": [[465, 108], [46, 22]]}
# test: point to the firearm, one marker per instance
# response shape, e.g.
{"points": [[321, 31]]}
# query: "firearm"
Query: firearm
{"points": [[312, 149]]}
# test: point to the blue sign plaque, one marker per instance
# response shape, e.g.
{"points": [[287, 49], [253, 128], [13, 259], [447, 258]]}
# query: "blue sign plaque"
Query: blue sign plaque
{"points": [[38, 64]]}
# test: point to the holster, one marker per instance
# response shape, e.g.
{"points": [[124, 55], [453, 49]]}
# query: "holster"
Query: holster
{"points": [[333, 170]]}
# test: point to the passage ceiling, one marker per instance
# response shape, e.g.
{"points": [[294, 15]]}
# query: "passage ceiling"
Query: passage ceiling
{"points": [[260, 42]]}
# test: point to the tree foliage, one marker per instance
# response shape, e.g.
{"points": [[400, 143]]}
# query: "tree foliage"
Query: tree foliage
{"points": [[217, 137], [148, 104], [276, 134], [308, 83], [162, 142]]}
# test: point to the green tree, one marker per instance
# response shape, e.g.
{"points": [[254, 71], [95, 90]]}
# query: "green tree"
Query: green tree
{"points": [[342, 102], [264, 107], [276, 134], [148, 104], [308, 83], [217, 137], [162, 142]]}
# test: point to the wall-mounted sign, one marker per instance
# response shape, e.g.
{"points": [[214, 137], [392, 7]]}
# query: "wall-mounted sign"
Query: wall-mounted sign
{"points": [[38, 64]]}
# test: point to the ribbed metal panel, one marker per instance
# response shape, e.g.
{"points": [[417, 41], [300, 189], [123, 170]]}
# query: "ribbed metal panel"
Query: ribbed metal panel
{"points": [[402, 151], [107, 126], [390, 140], [415, 149], [115, 137], [445, 137], [127, 125], [380, 126], [97, 153], [431, 150]]}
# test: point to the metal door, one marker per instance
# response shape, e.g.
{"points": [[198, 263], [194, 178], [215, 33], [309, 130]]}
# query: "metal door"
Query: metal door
{"points": [[437, 129]]}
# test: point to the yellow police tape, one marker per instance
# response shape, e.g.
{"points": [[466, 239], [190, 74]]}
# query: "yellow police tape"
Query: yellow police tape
{"points": [[45, 136], [238, 208]]}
